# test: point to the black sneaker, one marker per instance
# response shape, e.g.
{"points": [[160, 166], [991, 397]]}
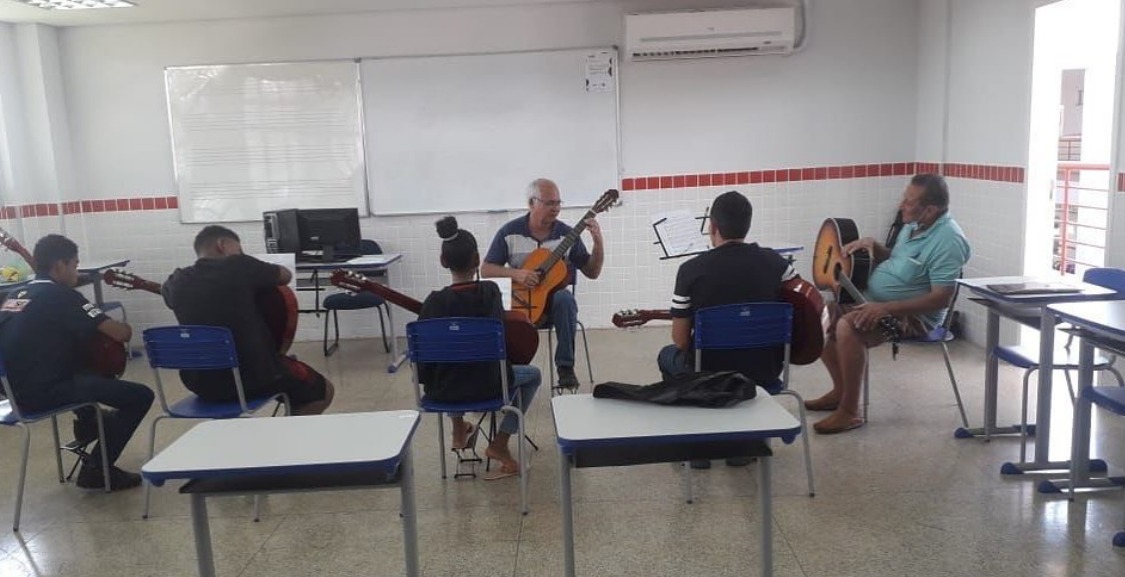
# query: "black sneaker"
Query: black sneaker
{"points": [[91, 478], [700, 464], [739, 461], [567, 378]]}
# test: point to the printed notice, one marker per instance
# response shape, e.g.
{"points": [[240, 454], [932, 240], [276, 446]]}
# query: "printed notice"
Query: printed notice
{"points": [[599, 71]]}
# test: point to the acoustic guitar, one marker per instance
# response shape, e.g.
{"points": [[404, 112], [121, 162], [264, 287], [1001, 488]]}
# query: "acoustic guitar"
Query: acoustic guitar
{"points": [[810, 320], [846, 276], [551, 265], [277, 305], [521, 339], [830, 263], [102, 355]]}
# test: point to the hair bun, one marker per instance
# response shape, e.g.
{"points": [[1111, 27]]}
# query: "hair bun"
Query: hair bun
{"points": [[447, 228]]}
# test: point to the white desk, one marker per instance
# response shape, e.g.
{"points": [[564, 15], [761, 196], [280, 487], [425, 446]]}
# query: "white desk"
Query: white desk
{"points": [[606, 433], [1024, 308], [285, 454], [1103, 325], [368, 263]]}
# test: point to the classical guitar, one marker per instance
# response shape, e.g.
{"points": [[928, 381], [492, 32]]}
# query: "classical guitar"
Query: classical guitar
{"points": [[520, 336], [810, 320], [830, 263], [846, 276], [551, 265], [278, 305], [103, 355]]}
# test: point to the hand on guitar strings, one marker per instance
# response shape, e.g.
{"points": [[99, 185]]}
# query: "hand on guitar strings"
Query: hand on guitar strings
{"points": [[528, 278], [865, 243]]}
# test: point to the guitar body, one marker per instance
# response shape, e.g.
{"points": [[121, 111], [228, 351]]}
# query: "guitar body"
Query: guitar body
{"points": [[278, 307], [533, 300], [105, 357], [829, 261], [810, 320], [521, 338]]}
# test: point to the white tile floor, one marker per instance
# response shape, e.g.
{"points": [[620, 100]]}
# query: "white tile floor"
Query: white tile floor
{"points": [[897, 497]]}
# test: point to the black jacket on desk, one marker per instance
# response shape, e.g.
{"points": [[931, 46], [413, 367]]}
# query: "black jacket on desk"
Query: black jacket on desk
{"points": [[43, 329]]}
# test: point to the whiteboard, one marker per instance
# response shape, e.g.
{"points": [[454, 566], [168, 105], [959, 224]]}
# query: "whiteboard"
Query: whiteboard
{"points": [[470, 132], [250, 138]]}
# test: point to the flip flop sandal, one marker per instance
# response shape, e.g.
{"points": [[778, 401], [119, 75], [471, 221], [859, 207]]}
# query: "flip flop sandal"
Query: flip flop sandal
{"points": [[854, 424]]}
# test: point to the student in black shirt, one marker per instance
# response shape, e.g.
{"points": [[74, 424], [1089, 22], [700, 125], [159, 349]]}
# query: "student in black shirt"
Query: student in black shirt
{"points": [[221, 289], [44, 328], [466, 382], [732, 272]]}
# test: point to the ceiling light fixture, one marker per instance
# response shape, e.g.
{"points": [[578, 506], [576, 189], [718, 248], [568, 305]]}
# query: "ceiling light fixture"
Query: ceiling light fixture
{"points": [[77, 4]]}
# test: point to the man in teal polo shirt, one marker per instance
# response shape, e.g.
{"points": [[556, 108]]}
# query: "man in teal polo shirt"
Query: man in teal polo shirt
{"points": [[914, 283]]}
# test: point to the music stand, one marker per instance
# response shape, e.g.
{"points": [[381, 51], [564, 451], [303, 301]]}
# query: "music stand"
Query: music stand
{"points": [[676, 235]]}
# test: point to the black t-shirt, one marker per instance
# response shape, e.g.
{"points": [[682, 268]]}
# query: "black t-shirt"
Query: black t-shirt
{"points": [[463, 382], [43, 329], [728, 274], [222, 292]]}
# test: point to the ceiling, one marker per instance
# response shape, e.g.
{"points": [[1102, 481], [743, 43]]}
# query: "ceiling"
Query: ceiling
{"points": [[182, 10]]}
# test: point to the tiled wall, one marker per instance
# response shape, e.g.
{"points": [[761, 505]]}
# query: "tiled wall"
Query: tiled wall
{"points": [[789, 206]]}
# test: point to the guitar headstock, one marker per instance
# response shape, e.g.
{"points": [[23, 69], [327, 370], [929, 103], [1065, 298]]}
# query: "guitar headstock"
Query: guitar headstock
{"points": [[14, 245], [122, 279], [606, 200], [349, 280], [630, 318]]}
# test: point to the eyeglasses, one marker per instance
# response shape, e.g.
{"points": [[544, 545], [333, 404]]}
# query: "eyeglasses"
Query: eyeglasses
{"points": [[549, 203]]}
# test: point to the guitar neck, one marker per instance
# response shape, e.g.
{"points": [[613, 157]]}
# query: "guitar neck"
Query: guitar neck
{"points": [[568, 241], [849, 286], [393, 296]]}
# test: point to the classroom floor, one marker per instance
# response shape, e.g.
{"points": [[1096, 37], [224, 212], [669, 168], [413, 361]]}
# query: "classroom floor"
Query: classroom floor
{"points": [[900, 496]]}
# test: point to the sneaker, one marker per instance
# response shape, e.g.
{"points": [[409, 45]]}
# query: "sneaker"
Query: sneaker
{"points": [[700, 464], [91, 478], [567, 378], [739, 461]]}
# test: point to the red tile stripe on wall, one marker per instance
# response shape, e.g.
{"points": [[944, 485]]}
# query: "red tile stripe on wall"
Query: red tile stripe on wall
{"points": [[1121, 182], [1013, 174], [90, 206]]}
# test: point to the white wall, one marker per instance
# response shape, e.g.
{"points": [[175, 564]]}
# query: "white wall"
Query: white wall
{"points": [[849, 98]]}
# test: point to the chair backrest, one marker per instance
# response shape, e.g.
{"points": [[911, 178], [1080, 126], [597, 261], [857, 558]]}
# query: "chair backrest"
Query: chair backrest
{"points": [[367, 246], [457, 340], [1110, 278], [192, 347], [744, 326]]}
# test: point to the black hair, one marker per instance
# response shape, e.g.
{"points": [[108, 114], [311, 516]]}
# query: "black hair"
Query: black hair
{"points": [[458, 246], [935, 192], [731, 212], [212, 234], [51, 249]]}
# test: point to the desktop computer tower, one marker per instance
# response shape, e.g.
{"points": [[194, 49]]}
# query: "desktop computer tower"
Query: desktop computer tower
{"points": [[282, 232]]}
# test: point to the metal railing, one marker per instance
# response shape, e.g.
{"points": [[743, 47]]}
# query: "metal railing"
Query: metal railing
{"points": [[1081, 215]]}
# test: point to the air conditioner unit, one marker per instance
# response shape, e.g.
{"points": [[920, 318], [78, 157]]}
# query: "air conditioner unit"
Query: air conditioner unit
{"points": [[709, 33]]}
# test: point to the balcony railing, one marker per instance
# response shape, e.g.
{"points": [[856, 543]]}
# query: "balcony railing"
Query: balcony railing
{"points": [[1081, 214]]}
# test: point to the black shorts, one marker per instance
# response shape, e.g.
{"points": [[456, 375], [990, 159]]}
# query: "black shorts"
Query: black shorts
{"points": [[301, 384]]}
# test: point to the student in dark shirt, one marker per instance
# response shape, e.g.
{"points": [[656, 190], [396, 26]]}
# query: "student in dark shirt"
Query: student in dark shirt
{"points": [[44, 328], [221, 289], [732, 272], [465, 382]]}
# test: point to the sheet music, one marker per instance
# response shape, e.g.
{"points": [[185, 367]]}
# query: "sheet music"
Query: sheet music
{"points": [[679, 232]]}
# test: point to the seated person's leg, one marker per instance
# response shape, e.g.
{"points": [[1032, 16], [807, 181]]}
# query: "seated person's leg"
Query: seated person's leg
{"points": [[672, 361], [564, 317], [850, 349], [464, 432], [527, 381], [132, 402], [308, 391]]}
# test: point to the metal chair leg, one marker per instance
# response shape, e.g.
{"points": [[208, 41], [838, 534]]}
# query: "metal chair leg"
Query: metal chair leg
{"points": [[151, 452], [58, 450], [328, 350], [804, 438], [23, 477], [956, 390], [441, 442], [586, 346], [1023, 415], [383, 330]]}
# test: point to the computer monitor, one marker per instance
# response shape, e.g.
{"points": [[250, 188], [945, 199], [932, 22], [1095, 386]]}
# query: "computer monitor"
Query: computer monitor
{"points": [[333, 231]]}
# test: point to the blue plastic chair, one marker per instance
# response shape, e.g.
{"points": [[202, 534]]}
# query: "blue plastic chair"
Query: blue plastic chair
{"points": [[354, 302], [192, 347], [12, 416], [753, 326], [464, 340], [1066, 357]]}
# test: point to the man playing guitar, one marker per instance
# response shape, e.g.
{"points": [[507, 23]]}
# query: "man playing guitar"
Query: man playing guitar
{"points": [[43, 326], [221, 289], [541, 228], [734, 271], [913, 283]]}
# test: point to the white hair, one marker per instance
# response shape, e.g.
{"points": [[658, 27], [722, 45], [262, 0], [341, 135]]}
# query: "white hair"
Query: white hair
{"points": [[536, 186]]}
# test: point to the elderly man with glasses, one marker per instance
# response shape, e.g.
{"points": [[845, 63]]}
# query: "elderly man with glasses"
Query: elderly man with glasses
{"points": [[541, 228]]}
